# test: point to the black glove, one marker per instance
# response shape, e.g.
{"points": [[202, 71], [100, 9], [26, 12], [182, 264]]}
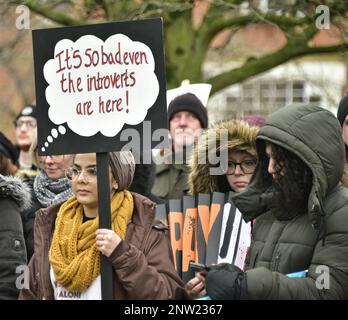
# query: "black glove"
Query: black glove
{"points": [[226, 282]]}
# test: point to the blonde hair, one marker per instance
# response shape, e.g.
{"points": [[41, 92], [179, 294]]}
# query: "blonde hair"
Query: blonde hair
{"points": [[33, 150]]}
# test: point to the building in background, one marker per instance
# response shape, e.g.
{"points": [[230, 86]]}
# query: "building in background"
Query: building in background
{"points": [[321, 79], [320, 82]]}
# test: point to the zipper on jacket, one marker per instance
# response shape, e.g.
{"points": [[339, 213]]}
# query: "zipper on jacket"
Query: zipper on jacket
{"points": [[253, 265]]}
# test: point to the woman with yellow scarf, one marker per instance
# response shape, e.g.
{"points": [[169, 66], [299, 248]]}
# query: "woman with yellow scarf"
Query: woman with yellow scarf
{"points": [[68, 243]]}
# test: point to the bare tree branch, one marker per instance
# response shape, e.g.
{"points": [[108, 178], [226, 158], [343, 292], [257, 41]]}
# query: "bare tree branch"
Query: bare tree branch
{"points": [[52, 14], [186, 47], [221, 23], [256, 66]]}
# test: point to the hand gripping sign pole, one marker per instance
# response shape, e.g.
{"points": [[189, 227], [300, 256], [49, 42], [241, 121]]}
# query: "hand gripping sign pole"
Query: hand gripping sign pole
{"points": [[90, 82], [104, 221]]}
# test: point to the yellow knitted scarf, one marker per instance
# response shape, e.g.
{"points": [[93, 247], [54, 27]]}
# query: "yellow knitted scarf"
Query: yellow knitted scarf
{"points": [[73, 254]]}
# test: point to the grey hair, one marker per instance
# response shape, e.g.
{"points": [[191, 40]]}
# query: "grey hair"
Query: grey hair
{"points": [[122, 166]]}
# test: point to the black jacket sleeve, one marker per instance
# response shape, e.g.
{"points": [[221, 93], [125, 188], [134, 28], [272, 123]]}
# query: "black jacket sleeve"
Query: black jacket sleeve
{"points": [[28, 218], [12, 248]]}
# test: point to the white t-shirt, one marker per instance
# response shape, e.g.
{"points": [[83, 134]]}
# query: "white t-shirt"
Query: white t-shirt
{"points": [[93, 292]]}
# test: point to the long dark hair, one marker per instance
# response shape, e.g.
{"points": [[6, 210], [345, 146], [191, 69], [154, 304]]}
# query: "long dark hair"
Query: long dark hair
{"points": [[293, 180]]}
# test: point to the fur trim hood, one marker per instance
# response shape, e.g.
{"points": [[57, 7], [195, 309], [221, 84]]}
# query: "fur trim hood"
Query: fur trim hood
{"points": [[16, 189], [241, 136]]}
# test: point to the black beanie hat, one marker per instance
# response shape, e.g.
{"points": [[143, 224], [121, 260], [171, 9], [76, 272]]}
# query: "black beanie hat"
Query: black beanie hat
{"points": [[189, 102], [27, 111], [8, 149], [342, 110]]}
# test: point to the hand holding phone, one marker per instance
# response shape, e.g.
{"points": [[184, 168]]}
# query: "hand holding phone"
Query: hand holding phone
{"points": [[198, 267], [196, 286]]}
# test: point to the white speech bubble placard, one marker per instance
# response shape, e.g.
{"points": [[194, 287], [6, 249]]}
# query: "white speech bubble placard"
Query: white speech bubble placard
{"points": [[96, 86], [200, 90]]}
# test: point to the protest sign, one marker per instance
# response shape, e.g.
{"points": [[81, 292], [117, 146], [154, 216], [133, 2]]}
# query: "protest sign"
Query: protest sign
{"points": [[175, 220], [95, 87], [203, 209], [206, 229], [189, 236], [215, 222], [94, 81]]}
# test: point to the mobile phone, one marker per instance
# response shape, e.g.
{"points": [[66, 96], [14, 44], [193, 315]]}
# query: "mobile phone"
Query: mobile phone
{"points": [[198, 267]]}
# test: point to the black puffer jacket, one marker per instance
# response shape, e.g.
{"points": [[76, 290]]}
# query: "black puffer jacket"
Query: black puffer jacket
{"points": [[28, 217], [14, 197]]}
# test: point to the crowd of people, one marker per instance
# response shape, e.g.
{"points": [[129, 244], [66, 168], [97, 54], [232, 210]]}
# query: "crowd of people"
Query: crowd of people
{"points": [[287, 173]]}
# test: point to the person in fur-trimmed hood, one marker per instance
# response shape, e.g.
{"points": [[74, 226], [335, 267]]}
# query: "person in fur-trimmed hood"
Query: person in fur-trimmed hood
{"points": [[14, 198], [238, 138], [241, 150]]}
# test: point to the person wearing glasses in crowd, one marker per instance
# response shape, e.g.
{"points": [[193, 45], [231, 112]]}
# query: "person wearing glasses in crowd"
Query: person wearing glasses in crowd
{"points": [[50, 187], [241, 165], [69, 242], [26, 132]]}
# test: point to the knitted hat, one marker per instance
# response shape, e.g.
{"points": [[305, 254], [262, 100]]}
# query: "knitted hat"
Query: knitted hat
{"points": [[122, 165], [8, 149], [27, 111], [342, 110], [189, 102]]}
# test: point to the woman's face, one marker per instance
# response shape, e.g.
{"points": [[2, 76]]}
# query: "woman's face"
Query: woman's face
{"points": [[84, 180], [272, 164], [241, 166], [345, 130], [55, 166]]}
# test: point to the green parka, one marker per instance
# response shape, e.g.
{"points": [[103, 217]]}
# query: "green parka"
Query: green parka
{"points": [[171, 180], [316, 241]]}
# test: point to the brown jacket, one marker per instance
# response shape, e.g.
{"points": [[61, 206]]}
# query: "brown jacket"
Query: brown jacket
{"points": [[143, 263]]}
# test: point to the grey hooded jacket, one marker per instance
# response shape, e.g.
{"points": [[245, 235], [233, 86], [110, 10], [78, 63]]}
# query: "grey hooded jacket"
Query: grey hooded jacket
{"points": [[316, 241]]}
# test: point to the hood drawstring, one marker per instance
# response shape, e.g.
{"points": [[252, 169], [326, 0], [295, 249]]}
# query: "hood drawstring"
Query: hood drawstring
{"points": [[323, 222]]}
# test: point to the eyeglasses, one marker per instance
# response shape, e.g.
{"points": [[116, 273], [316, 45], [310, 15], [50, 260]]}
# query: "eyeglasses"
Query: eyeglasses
{"points": [[55, 158], [28, 123], [247, 166], [73, 173]]}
